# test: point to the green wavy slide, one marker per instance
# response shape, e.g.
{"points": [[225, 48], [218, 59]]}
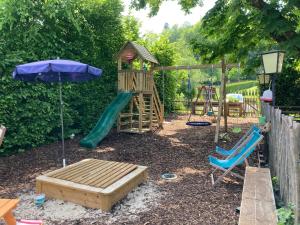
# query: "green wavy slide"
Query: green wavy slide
{"points": [[106, 120]]}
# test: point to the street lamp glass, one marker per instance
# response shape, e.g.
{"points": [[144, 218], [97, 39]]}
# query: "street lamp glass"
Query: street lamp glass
{"points": [[263, 79], [272, 61]]}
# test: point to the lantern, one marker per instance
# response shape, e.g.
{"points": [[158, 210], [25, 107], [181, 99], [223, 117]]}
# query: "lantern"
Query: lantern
{"points": [[263, 79], [272, 61]]}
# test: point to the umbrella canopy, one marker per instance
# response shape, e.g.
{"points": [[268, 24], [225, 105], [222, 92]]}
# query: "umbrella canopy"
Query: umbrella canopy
{"points": [[58, 70]]}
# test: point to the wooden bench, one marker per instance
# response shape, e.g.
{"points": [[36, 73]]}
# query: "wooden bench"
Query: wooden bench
{"points": [[6, 207], [258, 204]]}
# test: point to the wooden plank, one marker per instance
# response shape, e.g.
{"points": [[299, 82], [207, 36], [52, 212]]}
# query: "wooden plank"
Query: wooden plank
{"points": [[192, 67], [95, 171], [79, 170], [42, 180], [257, 183], [116, 176], [256, 212], [6, 205], [257, 198], [122, 187], [75, 169], [9, 218], [99, 176], [107, 174], [74, 165]]}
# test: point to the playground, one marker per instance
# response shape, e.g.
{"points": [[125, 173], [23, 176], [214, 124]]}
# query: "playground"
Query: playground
{"points": [[113, 112], [178, 148]]}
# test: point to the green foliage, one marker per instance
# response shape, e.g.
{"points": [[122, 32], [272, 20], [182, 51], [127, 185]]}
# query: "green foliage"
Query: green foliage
{"points": [[275, 183], [188, 93], [164, 52], [89, 31], [288, 85], [240, 30], [238, 86], [286, 215], [155, 4], [131, 28]]}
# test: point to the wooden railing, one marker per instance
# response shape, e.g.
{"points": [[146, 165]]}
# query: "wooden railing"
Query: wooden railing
{"points": [[251, 106], [284, 155], [134, 81]]}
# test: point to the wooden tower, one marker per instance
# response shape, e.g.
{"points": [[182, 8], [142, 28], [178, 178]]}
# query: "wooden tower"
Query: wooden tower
{"points": [[145, 110]]}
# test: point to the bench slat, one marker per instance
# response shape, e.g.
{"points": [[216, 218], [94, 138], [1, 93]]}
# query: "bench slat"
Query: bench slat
{"points": [[6, 205], [258, 204]]}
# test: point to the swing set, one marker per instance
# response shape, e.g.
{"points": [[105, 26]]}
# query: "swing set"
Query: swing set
{"points": [[208, 92]]}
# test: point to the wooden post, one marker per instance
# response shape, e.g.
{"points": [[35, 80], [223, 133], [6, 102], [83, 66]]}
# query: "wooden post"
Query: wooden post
{"points": [[140, 112], [119, 123], [224, 95], [131, 112], [151, 110], [119, 88], [220, 101]]}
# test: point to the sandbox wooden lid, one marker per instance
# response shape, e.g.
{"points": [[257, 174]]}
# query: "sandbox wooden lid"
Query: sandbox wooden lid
{"points": [[93, 172]]}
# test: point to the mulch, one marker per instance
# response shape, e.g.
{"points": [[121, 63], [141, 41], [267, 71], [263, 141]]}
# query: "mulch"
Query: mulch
{"points": [[190, 199]]}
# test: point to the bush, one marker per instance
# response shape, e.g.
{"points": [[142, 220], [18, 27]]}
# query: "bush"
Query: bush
{"points": [[286, 215], [288, 85], [161, 48], [37, 30]]}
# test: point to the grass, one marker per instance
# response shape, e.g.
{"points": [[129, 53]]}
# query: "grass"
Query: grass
{"points": [[238, 86]]}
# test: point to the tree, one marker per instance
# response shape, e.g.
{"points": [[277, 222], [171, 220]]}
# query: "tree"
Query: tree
{"points": [[240, 29], [131, 28], [163, 50], [246, 21], [155, 4]]}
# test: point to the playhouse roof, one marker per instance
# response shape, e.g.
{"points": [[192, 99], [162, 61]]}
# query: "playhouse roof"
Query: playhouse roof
{"points": [[136, 50]]}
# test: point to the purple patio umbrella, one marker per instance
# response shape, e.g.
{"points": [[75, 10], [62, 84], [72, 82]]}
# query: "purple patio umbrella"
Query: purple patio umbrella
{"points": [[56, 71]]}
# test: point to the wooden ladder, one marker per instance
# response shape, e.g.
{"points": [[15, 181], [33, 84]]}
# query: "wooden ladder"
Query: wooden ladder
{"points": [[145, 112]]}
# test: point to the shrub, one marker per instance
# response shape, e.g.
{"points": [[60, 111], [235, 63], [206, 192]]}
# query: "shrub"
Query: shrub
{"points": [[90, 32]]}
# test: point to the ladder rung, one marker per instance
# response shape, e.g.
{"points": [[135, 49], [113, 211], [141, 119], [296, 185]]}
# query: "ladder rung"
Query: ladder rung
{"points": [[126, 115]]}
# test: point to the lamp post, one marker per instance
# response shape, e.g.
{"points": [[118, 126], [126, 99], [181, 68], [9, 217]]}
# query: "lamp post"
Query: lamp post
{"points": [[272, 64], [263, 79]]}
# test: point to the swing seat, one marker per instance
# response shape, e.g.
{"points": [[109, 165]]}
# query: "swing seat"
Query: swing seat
{"points": [[210, 113], [198, 123]]}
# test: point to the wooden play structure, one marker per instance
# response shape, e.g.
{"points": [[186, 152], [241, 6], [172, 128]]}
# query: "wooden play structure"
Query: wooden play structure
{"points": [[6, 208], [92, 183], [145, 110]]}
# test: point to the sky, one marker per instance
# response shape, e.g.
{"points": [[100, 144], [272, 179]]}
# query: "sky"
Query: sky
{"points": [[170, 12]]}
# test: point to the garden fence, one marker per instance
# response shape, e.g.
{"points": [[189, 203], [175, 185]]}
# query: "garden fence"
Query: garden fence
{"points": [[284, 152]]}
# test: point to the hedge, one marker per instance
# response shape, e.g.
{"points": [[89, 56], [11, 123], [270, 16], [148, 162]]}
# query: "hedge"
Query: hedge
{"points": [[88, 31]]}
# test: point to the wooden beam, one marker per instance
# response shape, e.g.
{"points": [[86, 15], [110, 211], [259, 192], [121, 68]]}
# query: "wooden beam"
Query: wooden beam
{"points": [[194, 67], [224, 94], [220, 103], [141, 110]]}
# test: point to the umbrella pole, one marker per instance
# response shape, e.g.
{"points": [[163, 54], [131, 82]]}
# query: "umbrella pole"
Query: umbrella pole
{"points": [[62, 121]]}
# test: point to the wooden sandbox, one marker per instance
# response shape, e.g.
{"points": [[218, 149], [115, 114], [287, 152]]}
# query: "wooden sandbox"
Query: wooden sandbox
{"points": [[92, 183]]}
